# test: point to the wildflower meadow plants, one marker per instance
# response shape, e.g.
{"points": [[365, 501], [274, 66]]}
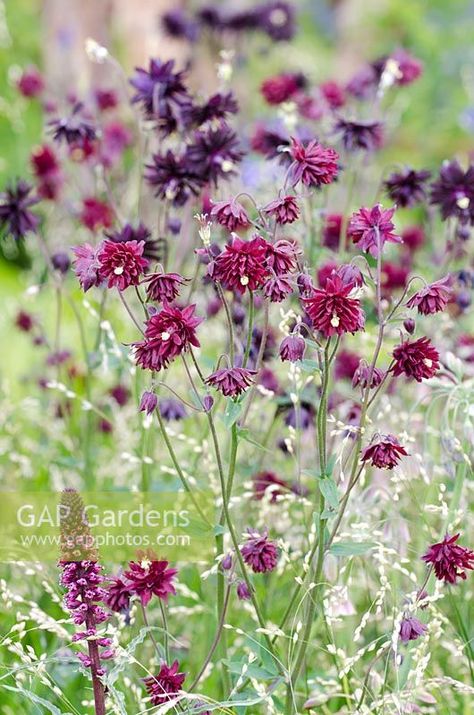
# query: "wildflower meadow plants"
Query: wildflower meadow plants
{"points": [[257, 309]]}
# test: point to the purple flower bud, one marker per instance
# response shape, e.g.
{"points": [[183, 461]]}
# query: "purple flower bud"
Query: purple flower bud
{"points": [[292, 348], [305, 284], [208, 402], [227, 562], [148, 402], [409, 325], [242, 591], [411, 629], [61, 261]]}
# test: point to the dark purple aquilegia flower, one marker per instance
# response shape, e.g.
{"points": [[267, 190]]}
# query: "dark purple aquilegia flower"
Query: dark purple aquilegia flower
{"points": [[411, 629], [164, 286], [371, 228], [230, 214], [384, 452], [140, 232], [408, 187], [332, 309], [76, 128], [166, 684], [450, 561], [292, 348], [284, 210], [214, 153], [121, 264], [259, 552], [453, 192], [231, 381], [162, 94], [365, 135], [418, 359], [313, 164], [15, 215], [86, 266], [432, 298], [150, 578], [174, 177], [241, 265]]}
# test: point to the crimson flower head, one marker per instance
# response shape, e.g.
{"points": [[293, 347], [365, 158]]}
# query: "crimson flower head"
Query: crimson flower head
{"points": [[453, 192], [166, 685], [117, 595], [371, 228], [31, 82], [410, 68], [96, 214], [230, 214], [167, 334], [432, 298], [407, 188], [259, 552], [121, 264], [363, 374], [411, 629], [365, 135], [241, 264], [449, 560], [86, 265], [292, 348], [384, 452], [333, 93], [418, 359], [47, 171], [150, 578], [173, 177], [277, 288], [313, 164], [281, 256], [285, 210], [332, 309], [231, 381], [282, 88], [164, 286], [214, 153]]}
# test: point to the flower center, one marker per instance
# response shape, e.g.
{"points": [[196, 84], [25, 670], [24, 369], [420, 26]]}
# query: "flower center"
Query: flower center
{"points": [[463, 202], [428, 362], [165, 335], [244, 280], [118, 271], [335, 320]]}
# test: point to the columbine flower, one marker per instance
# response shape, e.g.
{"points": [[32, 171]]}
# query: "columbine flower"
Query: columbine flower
{"points": [[346, 365], [281, 256], [118, 595], [371, 228], [241, 264], [171, 409], [74, 129], [148, 402], [95, 214], [454, 192], [407, 188], [332, 228], [31, 82], [230, 214], [418, 359], [161, 93], [231, 381], [363, 373], [313, 165], [409, 67], [166, 685], [164, 286], [15, 216], [87, 265], [271, 144], [259, 552], [449, 560], [150, 578], [24, 321], [333, 93], [285, 210], [277, 19], [173, 178], [140, 233], [121, 264], [277, 288], [167, 334], [243, 592], [413, 237], [218, 106], [384, 452], [332, 310], [364, 135], [177, 25], [432, 298], [292, 348], [214, 153], [282, 88], [411, 629], [47, 171]]}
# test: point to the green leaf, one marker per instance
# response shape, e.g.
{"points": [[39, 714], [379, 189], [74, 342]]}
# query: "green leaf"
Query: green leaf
{"points": [[232, 412], [330, 464], [351, 548], [313, 473], [245, 435], [253, 671], [329, 491], [218, 530], [309, 365]]}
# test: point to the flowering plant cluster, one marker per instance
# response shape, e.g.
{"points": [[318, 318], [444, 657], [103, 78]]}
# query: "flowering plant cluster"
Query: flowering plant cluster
{"points": [[274, 337]]}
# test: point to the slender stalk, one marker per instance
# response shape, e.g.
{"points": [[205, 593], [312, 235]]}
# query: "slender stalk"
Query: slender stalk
{"points": [[215, 641], [249, 329]]}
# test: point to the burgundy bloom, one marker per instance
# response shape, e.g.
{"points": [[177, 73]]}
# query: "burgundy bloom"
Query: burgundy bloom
{"points": [[140, 233], [449, 560], [264, 482], [121, 264], [214, 153], [173, 177], [333, 93], [346, 365], [371, 228], [281, 256], [87, 265], [15, 215], [61, 262], [243, 592], [364, 135], [166, 685], [150, 578], [230, 214], [161, 93], [409, 325], [453, 191], [271, 144], [31, 82], [218, 106], [277, 288], [171, 409], [393, 277], [164, 286], [277, 19], [148, 402], [105, 99], [363, 83], [96, 214], [118, 595], [168, 334], [432, 298], [410, 68], [363, 374], [332, 310], [384, 452], [47, 171], [407, 188], [285, 210], [24, 321], [332, 228], [313, 165], [413, 237], [259, 552], [241, 264], [418, 359], [231, 381], [411, 629], [282, 88], [292, 348], [120, 394], [74, 129]]}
